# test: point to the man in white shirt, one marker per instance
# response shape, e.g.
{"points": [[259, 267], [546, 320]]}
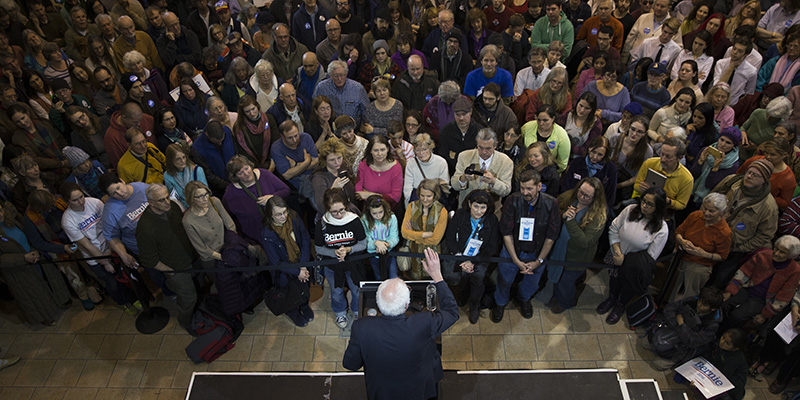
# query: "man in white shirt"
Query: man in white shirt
{"points": [[747, 32], [532, 77], [662, 49], [647, 26], [736, 72], [494, 168]]}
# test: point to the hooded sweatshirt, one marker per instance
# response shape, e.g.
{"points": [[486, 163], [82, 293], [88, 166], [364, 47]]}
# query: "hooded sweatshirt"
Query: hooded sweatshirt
{"points": [[332, 233], [543, 33]]}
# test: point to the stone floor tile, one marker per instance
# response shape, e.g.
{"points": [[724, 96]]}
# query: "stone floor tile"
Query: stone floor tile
{"points": [[580, 364], [224, 366], [514, 365], [142, 394], [523, 326], [643, 369], [621, 366], [583, 347], [127, 325], [80, 393], [279, 325], [75, 320], [47, 393], [463, 327], [110, 394], [254, 324], [482, 365], [26, 345], [173, 347], [586, 321], [488, 348], [34, 373], [9, 375], [115, 346], [520, 348], [298, 348], [16, 393], [105, 320], [556, 323], [288, 366], [255, 366], [158, 374], [55, 346], [454, 365], [320, 366], [85, 346], [619, 327], [317, 326], [65, 373], [547, 365], [127, 374], [145, 347], [457, 348], [487, 327], [329, 348], [552, 348], [96, 373], [172, 394], [184, 371], [267, 348], [6, 339], [615, 347]]}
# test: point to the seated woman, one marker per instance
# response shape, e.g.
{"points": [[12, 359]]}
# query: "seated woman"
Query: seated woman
{"points": [[788, 130], [545, 129], [88, 132], [247, 195], [705, 238], [285, 239], [720, 96], [86, 173], [612, 96], [628, 152], [79, 223], [252, 133], [687, 78], [380, 226], [715, 162], [190, 108], [206, 222], [763, 285], [473, 232], [782, 181], [761, 125], [40, 96], [179, 171], [424, 223], [379, 173], [591, 74], [539, 158], [676, 114], [168, 130], [236, 82], [332, 172], [554, 91], [702, 131], [785, 68], [583, 212], [424, 165], [637, 237], [39, 139], [595, 164], [41, 296], [152, 79], [582, 124], [338, 235], [382, 110], [700, 53]]}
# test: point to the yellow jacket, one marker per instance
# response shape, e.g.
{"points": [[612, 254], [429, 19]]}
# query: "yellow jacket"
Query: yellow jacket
{"points": [[131, 169]]}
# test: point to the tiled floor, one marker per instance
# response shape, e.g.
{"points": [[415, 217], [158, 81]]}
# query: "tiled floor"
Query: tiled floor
{"points": [[99, 355]]}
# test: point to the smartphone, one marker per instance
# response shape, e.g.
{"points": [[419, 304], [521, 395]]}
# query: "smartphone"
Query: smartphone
{"points": [[714, 152], [342, 174]]}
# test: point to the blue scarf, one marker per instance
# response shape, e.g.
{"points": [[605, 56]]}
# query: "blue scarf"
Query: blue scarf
{"points": [[593, 168]]}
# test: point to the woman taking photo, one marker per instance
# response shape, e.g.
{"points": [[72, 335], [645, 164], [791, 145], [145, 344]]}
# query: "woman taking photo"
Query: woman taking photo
{"points": [[637, 237], [539, 158], [554, 91], [180, 170], [424, 165], [702, 131], [700, 53], [544, 129], [252, 134], [320, 123], [687, 78], [169, 132], [190, 109], [424, 223], [472, 232], [88, 132], [583, 213], [595, 164], [676, 114], [338, 235], [383, 109], [612, 96], [285, 239], [582, 124], [379, 173], [205, 222], [332, 172], [380, 226], [715, 162], [246, 197]]}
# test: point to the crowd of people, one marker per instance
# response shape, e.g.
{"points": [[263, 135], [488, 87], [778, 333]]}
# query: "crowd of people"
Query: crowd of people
{"points": [[615, 131]]}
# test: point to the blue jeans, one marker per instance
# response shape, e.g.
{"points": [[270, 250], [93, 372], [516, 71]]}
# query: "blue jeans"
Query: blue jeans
{"points": [[338, 299], [506, 272], [391, 264], [564, 289]]}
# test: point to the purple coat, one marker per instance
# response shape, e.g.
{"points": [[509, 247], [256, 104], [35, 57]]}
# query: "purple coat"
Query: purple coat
{"points": [[245, 211]]}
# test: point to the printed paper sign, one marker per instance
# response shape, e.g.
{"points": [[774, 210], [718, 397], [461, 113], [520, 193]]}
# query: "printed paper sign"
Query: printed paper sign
{"points": [[705, 376]]}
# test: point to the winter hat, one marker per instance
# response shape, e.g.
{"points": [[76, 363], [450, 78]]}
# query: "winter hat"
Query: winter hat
{"points": [[764, 167], [380, 43], [733, 133], [773, 90], [57, 84], [128, 79], [634, 108], [75, 155]]}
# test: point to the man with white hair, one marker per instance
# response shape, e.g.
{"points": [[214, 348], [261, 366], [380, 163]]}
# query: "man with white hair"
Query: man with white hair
{"points": [[398, 352], [347, 96]]}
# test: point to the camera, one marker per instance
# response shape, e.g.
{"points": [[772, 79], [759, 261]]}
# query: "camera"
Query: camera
{"points": [[473, 170]]}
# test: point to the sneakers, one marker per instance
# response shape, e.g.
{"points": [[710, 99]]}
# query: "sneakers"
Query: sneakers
{"points": [[7, 362], [138, 305], [526, 309], [616, 314], [130, 310], [497, 313], [341, 322], [307, 312], [87, 304], [297, 318], [606, 305], [474, 314]]}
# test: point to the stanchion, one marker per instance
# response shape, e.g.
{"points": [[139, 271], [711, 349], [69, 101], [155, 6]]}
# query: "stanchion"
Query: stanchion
{"points": [[151, 319]]}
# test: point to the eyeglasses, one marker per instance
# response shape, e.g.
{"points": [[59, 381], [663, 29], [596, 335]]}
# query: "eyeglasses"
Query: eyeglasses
{"points": [[412, 124], [585, 195], [202, 196], [648, 203], [634, 130], [340, 211]]}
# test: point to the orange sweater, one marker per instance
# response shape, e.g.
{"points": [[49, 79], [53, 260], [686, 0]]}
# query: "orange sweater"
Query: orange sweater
{"points": [[782, 184], [715, 239]]}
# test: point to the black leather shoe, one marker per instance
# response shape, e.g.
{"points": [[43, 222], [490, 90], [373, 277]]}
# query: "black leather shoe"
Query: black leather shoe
{"points": [[307, 312], [474, 314], [616, 314], [497, 313], [526, 309], [297, 318], [606, 305]]}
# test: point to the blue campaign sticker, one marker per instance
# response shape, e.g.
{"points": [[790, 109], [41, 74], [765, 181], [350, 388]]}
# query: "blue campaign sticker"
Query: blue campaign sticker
{"points": [[740, 226], [151, 103], [308, 26], [148, 133], [551, 145], [133, 78], [594, 31], [544, 188], [646, 30], [428, 98], [3, 239], [205, 111], [788, 23], [266, 125]]}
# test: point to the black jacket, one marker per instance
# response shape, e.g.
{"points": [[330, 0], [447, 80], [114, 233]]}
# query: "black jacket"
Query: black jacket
{"points": [[547, 224], [459, 229], [414, 95]]}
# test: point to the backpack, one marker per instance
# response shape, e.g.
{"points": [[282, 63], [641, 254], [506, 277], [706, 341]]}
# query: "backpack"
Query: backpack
{"points": [[641, 310], [216, 334]]}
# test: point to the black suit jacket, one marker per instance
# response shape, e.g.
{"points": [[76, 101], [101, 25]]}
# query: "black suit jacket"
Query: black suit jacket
{"points": [[399, 354]]}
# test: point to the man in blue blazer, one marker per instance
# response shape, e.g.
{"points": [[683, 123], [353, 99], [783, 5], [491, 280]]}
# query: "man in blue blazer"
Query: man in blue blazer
{"points": [[398, 352]]}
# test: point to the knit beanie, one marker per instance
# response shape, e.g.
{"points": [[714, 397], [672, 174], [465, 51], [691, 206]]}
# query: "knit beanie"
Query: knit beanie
{"points": [[764, 167], [634, 108], [380, 43], [128, 79], [75, 155], [733, 133]]}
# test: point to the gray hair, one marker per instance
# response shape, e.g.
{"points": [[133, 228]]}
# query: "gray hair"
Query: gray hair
{"points": [[678, 144], [264, 65], [790, 242], [779, 107], [230, 76], [132, 57], [335, 65], [716, 200], [424, 139], [678, 132], [213, 99], [487, 134], [393, 297], [151, 190], [489, 49], [449, 92], [101, 17]]}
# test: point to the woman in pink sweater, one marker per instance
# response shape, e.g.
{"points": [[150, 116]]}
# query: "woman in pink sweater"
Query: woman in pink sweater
{"points": [[379, 173]]}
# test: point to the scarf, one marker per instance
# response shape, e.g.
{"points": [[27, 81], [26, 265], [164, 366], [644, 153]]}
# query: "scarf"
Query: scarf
{"points": [[41, 224], [700, 190], [428, 226], [593, 168], [90, 182], [754, 196], [444, 112], [44, 142], [785, 71], [260, 127], [285, 233]]}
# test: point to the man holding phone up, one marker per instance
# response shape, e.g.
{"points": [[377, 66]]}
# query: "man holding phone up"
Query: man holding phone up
{"points": [[483, 168]]}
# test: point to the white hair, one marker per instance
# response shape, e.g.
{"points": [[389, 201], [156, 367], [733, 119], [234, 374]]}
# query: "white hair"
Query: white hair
{"points": [[716, 200], [151, 190], [393, 297], [337, 64], [779, 107], [487, 134], [678, 133], [791, 243]]}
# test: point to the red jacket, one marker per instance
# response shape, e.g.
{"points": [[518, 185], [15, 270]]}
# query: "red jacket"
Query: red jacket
{"points": [[115, 142], [758, 268]]}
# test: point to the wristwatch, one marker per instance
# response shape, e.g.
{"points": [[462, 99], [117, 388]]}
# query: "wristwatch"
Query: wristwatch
{"points": [[541, 261]]}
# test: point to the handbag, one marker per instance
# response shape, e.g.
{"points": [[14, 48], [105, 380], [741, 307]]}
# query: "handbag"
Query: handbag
{"points": [[279, 300], [404, 263]]}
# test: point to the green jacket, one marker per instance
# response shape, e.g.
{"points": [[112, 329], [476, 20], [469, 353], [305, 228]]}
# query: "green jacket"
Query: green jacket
{"points": [[543, 33]]}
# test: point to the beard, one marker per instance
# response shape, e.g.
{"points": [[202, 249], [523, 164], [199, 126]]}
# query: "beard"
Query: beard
{"points": [[383, 33]]}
